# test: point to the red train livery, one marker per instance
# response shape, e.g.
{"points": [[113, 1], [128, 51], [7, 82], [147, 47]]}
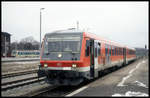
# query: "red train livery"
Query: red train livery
{"points": [[70, 57]]}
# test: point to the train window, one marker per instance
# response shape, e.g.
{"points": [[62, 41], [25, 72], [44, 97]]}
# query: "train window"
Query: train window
{"points": [[113, 50], [116, 51], [119, 51], [106, 49], [99, 49], [109, 50], [87, 48], [96, 49], [95, 52]]}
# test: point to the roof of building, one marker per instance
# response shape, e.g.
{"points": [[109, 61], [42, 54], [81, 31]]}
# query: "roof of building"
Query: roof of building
{"points": [[5, 33]]}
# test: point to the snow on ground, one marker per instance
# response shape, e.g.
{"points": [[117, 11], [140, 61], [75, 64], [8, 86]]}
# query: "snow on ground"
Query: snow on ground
{"points": [[132, 93], [140, 84], [129, 75], [129, 93]]}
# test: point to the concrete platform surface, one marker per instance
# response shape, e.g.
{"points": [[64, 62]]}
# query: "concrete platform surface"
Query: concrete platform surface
{"points": [[131, 80]]}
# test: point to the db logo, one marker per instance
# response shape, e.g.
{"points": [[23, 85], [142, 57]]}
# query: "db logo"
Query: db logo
{"points": [[59, 64]]}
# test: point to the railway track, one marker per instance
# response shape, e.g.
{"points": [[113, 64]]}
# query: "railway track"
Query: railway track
{"points": [[18, 73], [18, 79]]}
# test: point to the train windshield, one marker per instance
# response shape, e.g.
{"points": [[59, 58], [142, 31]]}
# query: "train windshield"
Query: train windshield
{"points": [[62, 44]]}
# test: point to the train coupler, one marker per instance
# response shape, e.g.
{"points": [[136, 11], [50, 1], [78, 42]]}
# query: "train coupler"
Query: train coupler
{"points": [[41, 73]]}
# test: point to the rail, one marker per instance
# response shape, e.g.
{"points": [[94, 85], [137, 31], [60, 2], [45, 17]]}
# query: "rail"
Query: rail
{"points": [[18, 73], [18, 83]]}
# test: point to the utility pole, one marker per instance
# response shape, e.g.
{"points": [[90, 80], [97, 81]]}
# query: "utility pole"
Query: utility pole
{"points": [[40, 25], [77, 25], [5, 46]]}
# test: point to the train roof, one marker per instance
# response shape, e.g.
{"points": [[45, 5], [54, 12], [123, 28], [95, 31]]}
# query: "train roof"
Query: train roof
{"points": [[70, 30], [88, 34]]}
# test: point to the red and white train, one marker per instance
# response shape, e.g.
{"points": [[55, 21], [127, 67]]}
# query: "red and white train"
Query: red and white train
{"points": [[69, 57]]}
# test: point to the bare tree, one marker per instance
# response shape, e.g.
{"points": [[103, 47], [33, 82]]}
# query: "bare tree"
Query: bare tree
{"points": [[27, 43], [29, 39]]}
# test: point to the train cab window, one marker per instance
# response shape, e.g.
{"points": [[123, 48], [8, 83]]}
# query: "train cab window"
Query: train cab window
{"points": [[87, 48]]}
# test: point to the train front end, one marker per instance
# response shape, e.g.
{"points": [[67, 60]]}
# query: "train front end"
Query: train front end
{"points": [[61, 61]]}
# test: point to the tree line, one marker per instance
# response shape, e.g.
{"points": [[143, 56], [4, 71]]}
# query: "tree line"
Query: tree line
{"points": [[27, 43]]}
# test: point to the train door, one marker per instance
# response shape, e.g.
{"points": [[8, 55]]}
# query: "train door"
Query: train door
{"points": [[95, 54], [96, 58], [91, 57], [124, 56]]}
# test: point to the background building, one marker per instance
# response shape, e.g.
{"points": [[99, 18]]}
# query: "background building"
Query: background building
{"points": [[5, 44], [142, 52]]}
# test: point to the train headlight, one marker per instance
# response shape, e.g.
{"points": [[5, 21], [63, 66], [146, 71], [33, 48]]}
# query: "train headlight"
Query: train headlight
{"points": [[74, 65], [45, 65]]}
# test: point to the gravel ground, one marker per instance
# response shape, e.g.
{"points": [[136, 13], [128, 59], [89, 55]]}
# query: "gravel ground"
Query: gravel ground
{"points": [[18, 66]]}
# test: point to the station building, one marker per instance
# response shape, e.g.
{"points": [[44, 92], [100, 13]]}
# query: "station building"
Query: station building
{"points": [[5, 44]]}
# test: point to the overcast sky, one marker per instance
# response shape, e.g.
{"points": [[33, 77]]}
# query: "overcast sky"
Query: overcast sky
{"points": [[123, 22]]}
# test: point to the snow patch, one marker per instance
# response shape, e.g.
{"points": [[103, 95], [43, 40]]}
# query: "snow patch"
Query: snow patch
{"points": [[123, 80], [129, 75], [143, 61], [129, 93], [140, 84]]}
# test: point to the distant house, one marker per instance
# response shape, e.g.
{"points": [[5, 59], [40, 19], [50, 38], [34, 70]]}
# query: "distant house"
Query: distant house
{"points": [[5, 44]]}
